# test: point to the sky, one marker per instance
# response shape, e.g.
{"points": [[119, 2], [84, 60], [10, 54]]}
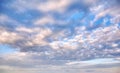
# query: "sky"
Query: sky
{"points": [[59, 36]]}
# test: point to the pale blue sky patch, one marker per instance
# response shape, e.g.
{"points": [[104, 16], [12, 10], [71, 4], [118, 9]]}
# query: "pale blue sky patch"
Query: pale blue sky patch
{"points": [[76, 17], [5, 49]]}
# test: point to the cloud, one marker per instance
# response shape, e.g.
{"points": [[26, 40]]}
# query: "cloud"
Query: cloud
{"points": [[96, 37], [102, 9], [21, 62], [63, 45], [49, 20], [4, 37], [35, 40], [45, 20], [53, 5], [7, 22], [50, 41], [44, 6]]}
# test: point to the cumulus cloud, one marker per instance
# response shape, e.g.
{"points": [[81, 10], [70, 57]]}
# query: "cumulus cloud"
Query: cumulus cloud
{"points": [[9, 37]]}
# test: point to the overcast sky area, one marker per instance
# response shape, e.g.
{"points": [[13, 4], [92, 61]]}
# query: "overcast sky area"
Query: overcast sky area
{"points": [[59, 36]]}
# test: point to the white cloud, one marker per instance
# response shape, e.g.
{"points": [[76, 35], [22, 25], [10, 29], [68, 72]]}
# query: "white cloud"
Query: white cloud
{"points": [[24, 29], [53, 5], [49, 20], [37, 35], [86, 39], [106, 8], [9, 37], [45, 20], [61, 45], [39, 38], [44, 6]]}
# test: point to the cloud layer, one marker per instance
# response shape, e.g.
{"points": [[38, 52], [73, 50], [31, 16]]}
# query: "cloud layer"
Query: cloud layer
{"points": [[46, 31]]}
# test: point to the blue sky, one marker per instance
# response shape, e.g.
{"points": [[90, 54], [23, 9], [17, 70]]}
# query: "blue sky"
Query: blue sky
{"points": [[59, 33], [6, 49]]}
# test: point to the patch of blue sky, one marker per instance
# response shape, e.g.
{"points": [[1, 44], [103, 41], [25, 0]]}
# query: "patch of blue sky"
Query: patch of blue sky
{"points": [[86, 23], [77, 5], [103, 61], [77, 16], [98, 22], [119, 25], [103, 21], [89, 17], [23, 18], [75, 21], [59, 16], [108, 23], [107, 20], [57, 28], [3, 3], [4, 49]]}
